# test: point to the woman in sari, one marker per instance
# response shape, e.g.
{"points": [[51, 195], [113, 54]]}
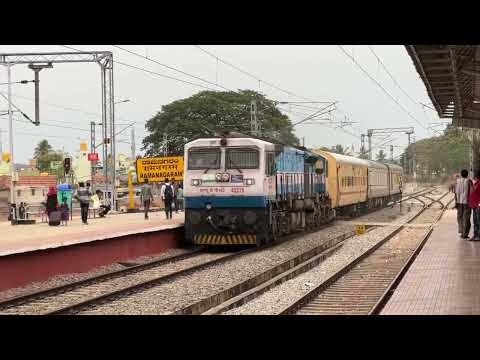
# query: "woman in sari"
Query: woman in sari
{"points": [[52, 202]]}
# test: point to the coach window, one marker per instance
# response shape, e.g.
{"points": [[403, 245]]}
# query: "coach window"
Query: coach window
{"points": [[199, 159]]}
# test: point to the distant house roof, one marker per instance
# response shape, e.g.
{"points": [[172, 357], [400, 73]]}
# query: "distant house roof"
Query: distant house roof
{"points": [[32, 181]]}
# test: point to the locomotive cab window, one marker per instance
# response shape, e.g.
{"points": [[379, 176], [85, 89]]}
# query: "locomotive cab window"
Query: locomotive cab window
{"points": [[241, 158], [270, 168], [204, 158]]}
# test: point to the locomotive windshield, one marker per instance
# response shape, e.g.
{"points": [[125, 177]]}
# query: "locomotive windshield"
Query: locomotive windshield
{"points": [[204, 159], [241, 159]]}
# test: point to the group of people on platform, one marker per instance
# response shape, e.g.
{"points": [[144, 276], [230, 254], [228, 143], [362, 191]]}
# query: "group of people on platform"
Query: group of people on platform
{"points": [[171, 194], [467, 200], [60, 214]]}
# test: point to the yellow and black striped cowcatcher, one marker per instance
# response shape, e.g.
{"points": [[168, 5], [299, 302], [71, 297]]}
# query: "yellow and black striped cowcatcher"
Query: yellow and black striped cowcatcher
{"points": [[217, 239]]}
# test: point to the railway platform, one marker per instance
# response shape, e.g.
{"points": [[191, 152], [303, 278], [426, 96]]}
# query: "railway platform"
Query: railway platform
{"points": [[444, 279], [30, 253]]}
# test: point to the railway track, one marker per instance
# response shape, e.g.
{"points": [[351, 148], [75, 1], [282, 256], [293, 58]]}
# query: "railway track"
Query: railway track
{"points": [[251, 288], [77, 296], [363, 286]]}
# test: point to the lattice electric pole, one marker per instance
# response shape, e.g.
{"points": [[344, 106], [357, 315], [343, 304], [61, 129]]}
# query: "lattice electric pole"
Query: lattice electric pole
{"points": [[388, 131], [362, 145], [132, 143], [254, 125], [104, 59], [165, 144]]}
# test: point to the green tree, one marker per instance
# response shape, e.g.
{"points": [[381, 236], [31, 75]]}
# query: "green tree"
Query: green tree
{"points": [[207, 112], [44, 154], [448, 153], [44, 161], [337, 149], [381, 156], [42, 148]]}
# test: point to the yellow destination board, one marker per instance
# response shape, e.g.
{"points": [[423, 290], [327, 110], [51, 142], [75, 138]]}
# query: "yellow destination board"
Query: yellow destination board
{"points": [[157, 169]]}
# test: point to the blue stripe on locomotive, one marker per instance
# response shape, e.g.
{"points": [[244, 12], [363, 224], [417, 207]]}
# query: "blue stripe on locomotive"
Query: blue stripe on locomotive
{"points": [[199, 202]]}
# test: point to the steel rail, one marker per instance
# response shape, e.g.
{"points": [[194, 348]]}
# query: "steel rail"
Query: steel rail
{"points": [[57, 290], [335, 277], [377, 308]]}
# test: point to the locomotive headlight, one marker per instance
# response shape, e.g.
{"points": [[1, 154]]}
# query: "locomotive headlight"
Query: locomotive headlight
{"points": [[196, 182], [225, 177], [208, 206], [249, 181], [218, 177]]}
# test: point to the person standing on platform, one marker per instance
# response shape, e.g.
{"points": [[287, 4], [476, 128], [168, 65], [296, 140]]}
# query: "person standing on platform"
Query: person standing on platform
{"points": [[451, 188], [83, 196], [166, 194], [474, 203], [180, 197], [175, 190], [51, 203], [462, 192], [146, 197]]}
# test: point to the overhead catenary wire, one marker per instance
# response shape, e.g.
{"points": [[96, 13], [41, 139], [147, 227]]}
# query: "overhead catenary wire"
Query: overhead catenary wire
{"points": [[392, 77], [253, 76], [172, 68], [380, 86], [151, 72]]}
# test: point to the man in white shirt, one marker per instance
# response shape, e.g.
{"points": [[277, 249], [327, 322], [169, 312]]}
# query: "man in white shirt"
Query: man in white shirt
{"points": [[462, 192]]}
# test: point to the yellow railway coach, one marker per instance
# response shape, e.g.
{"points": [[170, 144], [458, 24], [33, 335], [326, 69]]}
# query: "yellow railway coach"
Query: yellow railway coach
{"points": [[347, 181]]}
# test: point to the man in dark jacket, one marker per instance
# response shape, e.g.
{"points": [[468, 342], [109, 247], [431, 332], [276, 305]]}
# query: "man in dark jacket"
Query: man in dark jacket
{"points": [[83, 196], [167, 196]]}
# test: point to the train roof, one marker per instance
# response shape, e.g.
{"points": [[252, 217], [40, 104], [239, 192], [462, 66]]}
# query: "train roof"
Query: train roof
{"points": [[376, 164], [236, 135], [343, 158], [394, 166]]}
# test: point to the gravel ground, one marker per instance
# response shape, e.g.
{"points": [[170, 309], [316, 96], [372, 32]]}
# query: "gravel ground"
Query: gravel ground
{"points": [[68, 278], [185, 290], [54, 302], [275, 300]]}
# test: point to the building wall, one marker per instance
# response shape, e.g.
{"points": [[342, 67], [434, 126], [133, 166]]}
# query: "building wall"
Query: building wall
{"points": [[4, 168], [82, 167], [31, 195]]}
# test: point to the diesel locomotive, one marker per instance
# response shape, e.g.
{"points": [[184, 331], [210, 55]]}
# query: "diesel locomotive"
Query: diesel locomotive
{"points": [[244, 190]]}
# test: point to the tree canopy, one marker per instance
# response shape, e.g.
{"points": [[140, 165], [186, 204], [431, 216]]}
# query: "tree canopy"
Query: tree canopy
{"points": [[207, 112], [337, 149], [44, 154], [381, 156], [448, 153], [43, 148]]}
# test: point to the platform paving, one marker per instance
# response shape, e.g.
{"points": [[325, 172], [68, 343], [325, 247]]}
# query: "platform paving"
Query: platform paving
{"points": [[445, 277], [25, 238]]}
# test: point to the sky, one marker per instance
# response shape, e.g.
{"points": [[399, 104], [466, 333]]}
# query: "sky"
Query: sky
{"points": [[70, 94]]}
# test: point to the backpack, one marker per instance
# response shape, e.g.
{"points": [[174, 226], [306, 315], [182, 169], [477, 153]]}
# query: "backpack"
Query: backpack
{"points": [[168, 192]]}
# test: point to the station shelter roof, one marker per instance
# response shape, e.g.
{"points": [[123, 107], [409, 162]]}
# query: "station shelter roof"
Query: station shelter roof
{"points": [[451, 74]]}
